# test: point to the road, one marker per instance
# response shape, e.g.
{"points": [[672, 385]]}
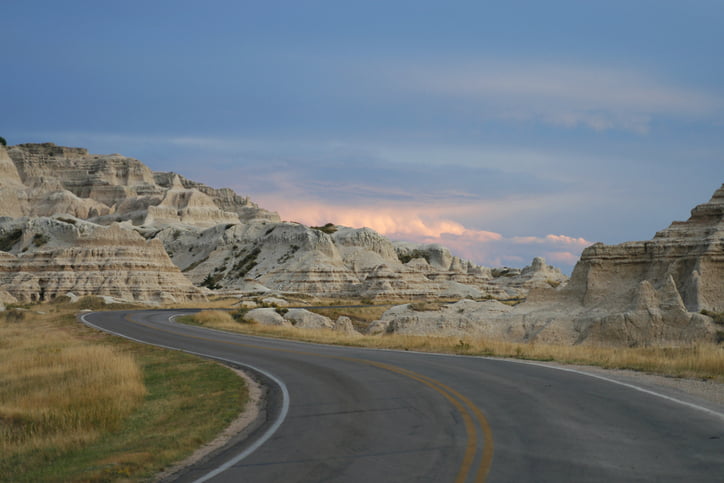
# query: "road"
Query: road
{"points": [[339, 414]]}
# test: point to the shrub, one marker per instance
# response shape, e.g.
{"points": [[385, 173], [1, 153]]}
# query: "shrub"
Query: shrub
{"points": [[212, 281], [243, 266], [206, 317], [406, 257], [239, 314], [39, 239], [3, 141], [13, 315], [717, 316], [9, 239], [425, 306], [719, 336], [329, 228], [91, 302]]}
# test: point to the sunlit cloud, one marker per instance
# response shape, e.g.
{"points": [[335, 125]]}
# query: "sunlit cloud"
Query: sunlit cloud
{"points": [[557, 239], [412, 223], [562, 258]]}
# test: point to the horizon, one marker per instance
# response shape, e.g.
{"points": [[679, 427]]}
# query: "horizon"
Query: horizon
{"points": [[502, 132]]}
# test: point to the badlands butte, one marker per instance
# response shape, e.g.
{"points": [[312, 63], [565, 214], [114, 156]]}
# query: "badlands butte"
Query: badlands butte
{"points": [[74, 224]]}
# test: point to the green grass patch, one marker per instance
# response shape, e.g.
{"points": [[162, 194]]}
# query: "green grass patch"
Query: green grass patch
{"points": [[188, 402]]}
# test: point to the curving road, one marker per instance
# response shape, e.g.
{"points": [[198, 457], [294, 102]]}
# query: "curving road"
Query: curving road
{"points": [[339, 414]]}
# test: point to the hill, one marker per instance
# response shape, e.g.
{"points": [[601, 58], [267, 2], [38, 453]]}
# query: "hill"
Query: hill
{"points": [[87, 224]]}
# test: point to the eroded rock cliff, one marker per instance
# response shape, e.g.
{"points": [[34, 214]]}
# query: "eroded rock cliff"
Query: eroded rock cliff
{"points": [[49, 179], [635, 293], [223, 241], [43, 258]]}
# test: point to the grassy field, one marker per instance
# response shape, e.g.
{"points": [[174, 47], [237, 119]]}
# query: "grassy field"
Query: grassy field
{"points": [[704, 361], [78, 405]]}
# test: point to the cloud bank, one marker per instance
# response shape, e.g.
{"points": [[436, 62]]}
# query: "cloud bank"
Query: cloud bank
{"points": [[415, 223], [596, 97]]}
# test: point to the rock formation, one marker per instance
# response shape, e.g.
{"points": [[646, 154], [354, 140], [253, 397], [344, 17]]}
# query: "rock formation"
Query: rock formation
{"points": [[635, 293], [223, 241], [338, 261], [43, 258], [74, 222], [300, 319], [45, 179]]}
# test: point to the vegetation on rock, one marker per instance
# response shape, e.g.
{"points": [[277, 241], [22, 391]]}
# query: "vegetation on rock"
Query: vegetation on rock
{"points": [[328, 228]]}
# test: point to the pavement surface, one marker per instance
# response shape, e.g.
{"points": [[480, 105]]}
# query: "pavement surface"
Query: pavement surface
{"points": [[339, 414]]}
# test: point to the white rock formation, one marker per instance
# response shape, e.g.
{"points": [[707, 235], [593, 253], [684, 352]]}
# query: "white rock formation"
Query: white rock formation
{"points": [[304, 319], [635, 293], [50, 179], [43, 258], [266, 316], [226, 243]]}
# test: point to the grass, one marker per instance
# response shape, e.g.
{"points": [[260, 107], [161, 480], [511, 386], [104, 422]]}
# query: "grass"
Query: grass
{"points": [[705, 361], [78, 405], [426, 306]]}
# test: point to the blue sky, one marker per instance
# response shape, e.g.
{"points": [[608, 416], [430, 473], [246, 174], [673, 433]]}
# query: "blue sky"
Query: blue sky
{"points": [[504, 130]]}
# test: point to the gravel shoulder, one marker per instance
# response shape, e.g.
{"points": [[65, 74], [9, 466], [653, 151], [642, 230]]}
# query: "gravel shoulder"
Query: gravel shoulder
{"points": [[706, 393]]}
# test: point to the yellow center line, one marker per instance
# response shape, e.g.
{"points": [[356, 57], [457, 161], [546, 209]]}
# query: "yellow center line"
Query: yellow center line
{"points": [[488, 446], [458, 400]]}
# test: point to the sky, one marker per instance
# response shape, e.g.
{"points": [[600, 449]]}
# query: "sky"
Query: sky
{"points": [[503, 130]]}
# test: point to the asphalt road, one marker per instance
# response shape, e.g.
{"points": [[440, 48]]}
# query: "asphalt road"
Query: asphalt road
{"points": [[338, 414]]}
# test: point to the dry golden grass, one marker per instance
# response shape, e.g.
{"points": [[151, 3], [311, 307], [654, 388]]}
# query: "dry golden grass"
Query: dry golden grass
{"points": [[79, 405], [696, 361], [213, 302], [59, 391], [357, 314], [215, 318]]}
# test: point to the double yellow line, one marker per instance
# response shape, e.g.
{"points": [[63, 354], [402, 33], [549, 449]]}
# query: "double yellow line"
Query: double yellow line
{"points": [[473, 419]]}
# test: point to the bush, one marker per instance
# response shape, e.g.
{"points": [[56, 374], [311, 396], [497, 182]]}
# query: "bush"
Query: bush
{"points": [[239, 314], [13, 315], [213, 316], [719, 336], [9, 239], [406, 257], [3, 141], [243, 266], [212, 281], [91, 302], [329, 228], [717, 316], [39, 239], [426, 306]]}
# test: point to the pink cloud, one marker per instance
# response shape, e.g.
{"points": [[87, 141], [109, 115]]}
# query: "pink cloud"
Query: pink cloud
{"points": [[568, 258], [422, 224], [568, 240], [558, 239]]}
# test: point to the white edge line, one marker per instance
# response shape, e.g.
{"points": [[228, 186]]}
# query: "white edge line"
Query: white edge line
{"points": [[262, 439], [697, 407], [620, 383], [706, 410]]}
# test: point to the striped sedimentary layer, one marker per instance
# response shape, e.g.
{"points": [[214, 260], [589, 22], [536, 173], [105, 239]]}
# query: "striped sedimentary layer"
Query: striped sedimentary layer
{"points": [[44, 257]]}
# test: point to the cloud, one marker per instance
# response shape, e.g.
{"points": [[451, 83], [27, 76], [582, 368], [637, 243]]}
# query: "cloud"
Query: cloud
{"points": [[565, 95], [557, 239], [562, 258], [415, 223]]}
